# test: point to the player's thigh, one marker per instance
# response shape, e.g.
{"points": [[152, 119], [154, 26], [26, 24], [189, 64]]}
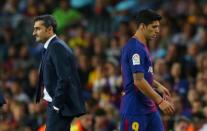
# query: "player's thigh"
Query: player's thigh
{"points": [[133, 123], [155, 123]]}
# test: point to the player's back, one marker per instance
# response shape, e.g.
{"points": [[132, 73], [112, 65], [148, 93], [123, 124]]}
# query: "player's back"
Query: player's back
{"points": [[135, 59]]}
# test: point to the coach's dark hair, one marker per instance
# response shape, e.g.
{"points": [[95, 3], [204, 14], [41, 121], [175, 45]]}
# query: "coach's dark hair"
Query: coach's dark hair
{"points": [[48, 20], [147, 16]]}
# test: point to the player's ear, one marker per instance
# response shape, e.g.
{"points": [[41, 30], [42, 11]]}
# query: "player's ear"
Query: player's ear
{"points": [[142, 26]]}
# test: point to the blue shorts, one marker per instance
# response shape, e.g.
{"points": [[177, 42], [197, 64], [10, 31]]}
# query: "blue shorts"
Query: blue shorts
{"points": [[148, 122]]}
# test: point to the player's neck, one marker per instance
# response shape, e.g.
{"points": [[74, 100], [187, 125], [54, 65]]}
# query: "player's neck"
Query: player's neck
{"points": [[139, 36]]}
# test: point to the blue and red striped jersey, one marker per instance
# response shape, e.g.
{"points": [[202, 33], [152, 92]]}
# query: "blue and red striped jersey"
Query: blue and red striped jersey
{"points": [[135, 58]]}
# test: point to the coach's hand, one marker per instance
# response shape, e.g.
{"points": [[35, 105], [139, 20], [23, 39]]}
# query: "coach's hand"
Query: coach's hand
{"points": [[166, 107], [56, 109]]}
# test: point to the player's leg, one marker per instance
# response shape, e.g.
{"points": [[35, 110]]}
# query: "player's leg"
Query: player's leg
{"points": [[133, 123], [154, 122]]}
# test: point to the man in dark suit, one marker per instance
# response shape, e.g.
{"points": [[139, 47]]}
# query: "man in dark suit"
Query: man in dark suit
{"points": [[58, 77], [2, 100]]}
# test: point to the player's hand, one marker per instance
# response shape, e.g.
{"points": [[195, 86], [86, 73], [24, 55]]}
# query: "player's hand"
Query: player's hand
{"points": [[166, 107], [164, 91]]}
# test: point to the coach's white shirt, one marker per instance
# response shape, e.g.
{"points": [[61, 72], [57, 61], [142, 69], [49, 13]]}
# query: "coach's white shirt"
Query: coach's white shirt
{"points": [[47, 97]]}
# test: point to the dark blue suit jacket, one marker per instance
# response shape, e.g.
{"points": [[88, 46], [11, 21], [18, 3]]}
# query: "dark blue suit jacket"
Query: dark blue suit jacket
{"points": [[2, 101], [60, 77]]}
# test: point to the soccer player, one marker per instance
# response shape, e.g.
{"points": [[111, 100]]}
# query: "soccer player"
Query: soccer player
{"points": [[139, 100]]}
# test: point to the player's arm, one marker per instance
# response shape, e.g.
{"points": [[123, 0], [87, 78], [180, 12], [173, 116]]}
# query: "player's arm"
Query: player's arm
{"points": [[144, 86], [146, 89], [161, 89]]}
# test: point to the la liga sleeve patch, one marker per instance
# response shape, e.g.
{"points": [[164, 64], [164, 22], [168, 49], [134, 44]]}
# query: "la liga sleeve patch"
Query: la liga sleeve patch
{"points": [[136, 59]]}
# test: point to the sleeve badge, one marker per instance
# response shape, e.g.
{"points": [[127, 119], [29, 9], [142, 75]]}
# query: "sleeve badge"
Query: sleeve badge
{"points": [[136, 59]]}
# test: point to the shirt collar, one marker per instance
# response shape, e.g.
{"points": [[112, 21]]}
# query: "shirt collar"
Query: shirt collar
{"points": [[48, 41]]}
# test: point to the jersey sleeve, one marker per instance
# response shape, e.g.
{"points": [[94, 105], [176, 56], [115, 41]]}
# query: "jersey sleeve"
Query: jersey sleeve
{"points": [[136, 59]]}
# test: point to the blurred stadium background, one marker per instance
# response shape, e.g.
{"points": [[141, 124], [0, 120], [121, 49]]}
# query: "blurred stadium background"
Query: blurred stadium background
{"points": [[96, 30]]}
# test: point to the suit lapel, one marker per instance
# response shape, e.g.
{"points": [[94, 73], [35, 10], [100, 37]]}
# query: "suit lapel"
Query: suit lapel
{"points": [[41, 68], [46, 53]]}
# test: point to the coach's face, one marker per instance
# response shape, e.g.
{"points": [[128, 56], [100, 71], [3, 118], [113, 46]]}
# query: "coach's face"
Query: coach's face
{"points": [[40, 32], [152, 30]]}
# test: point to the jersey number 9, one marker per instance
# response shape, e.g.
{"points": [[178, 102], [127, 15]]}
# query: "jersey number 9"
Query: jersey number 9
{"points": [[135, 126]]}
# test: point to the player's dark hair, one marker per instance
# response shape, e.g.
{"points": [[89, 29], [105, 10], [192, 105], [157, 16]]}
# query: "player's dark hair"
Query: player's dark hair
{"points": [[48, 20], [147, 16]]}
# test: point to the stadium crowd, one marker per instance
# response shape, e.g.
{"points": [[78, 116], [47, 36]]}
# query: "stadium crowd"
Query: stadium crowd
{"points": [[96, 30]]}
